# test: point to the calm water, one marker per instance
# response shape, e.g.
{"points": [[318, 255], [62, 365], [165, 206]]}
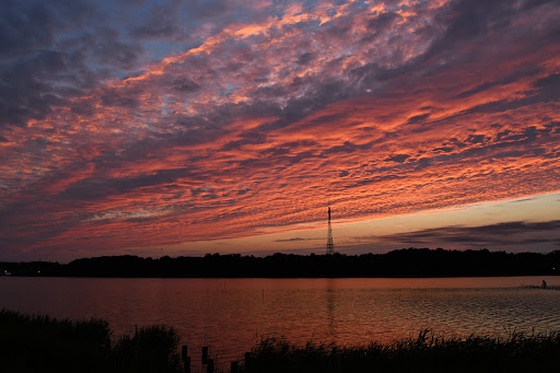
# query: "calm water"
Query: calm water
{"points": [[230, 315]]}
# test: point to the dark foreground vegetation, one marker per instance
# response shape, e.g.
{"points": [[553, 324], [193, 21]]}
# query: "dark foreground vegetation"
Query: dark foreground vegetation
{"points": [[426, 353], [43, 344], [398, 263]]}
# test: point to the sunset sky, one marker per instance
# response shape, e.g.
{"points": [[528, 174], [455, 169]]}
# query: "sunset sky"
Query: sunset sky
{"points": [[185, 127]]}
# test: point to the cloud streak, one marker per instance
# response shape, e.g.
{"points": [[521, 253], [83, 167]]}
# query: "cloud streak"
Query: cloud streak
{"points": [[224, 119], [517, 233]]}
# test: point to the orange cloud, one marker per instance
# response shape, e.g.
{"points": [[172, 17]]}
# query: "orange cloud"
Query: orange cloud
{"points": [[377, 110]]}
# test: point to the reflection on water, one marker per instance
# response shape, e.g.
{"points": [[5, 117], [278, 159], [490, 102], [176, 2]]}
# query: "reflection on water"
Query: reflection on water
{"points": [[231, 315], [330, 294]]}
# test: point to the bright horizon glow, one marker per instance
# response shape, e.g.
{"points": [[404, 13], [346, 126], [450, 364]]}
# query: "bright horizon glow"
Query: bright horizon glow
{"points": [[381, 235]]}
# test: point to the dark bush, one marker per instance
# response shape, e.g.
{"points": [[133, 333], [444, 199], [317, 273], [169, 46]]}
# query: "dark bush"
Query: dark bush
{"points": [[44, 344]]}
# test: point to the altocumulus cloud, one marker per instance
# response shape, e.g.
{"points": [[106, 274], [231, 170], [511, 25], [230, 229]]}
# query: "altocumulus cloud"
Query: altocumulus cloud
{"points": [[190, 121]]}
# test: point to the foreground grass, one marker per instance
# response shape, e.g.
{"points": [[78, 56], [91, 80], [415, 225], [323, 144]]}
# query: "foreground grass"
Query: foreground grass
{"points": [[43, 344], [426, 353]]}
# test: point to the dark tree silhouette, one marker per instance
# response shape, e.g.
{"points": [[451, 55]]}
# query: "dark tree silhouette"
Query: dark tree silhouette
{"points": [[399, 263]]}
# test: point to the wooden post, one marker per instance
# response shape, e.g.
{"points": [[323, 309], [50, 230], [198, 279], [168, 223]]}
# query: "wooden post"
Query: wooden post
{"points": [[210, 366], [186, 359], [205, 355], [187, 364], [234, 367]]}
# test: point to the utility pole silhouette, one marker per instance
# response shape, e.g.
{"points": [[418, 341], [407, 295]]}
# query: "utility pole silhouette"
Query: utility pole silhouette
{"points": [[330, 241]]}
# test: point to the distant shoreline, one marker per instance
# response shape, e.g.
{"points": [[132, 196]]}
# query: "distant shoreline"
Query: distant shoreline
{"points": [[405, 263]]}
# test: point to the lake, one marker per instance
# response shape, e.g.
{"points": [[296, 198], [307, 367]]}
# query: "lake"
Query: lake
{"points": [[231, 315]]}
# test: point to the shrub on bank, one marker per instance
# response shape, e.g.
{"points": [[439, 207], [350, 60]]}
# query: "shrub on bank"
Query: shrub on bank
{"points": [[149, 349], [426, 353], [44, 344]]}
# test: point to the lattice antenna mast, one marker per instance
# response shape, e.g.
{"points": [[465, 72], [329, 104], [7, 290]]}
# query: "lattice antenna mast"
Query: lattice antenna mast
{"points": [[330, 241]]}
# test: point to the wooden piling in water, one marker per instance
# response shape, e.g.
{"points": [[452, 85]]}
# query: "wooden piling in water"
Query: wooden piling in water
{"points": [[186, 359], [187, 364], [204, 354]]}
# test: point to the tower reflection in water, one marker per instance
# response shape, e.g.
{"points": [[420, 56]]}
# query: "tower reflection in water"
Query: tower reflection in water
{"points": [[330, 294]]}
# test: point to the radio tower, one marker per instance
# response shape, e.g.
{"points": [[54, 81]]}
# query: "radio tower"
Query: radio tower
{"points": [[330, 242]]}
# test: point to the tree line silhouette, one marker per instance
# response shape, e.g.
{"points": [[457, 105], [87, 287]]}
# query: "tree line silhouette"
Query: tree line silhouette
{"points": [[410, 262]]}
